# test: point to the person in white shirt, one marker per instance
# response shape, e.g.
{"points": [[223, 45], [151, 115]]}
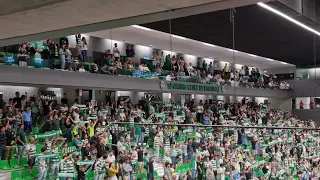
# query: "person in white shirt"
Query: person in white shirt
{"points": [[190, 68], [81, 69], [120, 145], [116, 52], [84, 46], [141, 67], [200, 110]]}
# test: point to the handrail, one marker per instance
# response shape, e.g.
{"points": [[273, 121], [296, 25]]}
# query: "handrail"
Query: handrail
{"points": [[222, 126]]}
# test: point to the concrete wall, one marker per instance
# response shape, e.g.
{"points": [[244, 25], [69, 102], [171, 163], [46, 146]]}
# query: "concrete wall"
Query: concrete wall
{"points": [[101, 45], [305, 114], [305, 88]]}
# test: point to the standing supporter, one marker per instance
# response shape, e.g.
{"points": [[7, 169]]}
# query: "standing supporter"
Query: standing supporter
{"points": [[3, 142], [26, 119], [10, 139], [21, 142], [113, 170], [31, 153], [100, 167], [43, 167]]}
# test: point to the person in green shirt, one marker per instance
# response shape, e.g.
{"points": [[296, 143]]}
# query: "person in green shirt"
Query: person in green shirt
{"points": [[21, 141]]}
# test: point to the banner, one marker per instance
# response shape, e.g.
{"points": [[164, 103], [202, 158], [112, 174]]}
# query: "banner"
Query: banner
{"points": [[51, 155], [85, 162], [48, 135], [71, 175], [193, 87]]}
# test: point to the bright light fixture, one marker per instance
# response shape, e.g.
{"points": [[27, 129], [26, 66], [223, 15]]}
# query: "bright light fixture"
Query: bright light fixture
{"points": [[288, 18], [269, 59], [207, 44], [284, 63], [150, 45], [265, 71], [179, 37], [141, 27], [253, 55], [233, 50], [210, 57]]}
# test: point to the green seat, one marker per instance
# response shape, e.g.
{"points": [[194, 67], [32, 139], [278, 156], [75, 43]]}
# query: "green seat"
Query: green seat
{"points": [[144, 176], [14, 164], [26, 174], [24, 162], [35, 172], [15, 175], [35, 130], [4, 165]]}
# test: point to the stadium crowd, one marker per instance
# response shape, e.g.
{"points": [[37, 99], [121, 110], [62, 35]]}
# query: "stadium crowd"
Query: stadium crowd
{"points": [[61, 56], [68, 140]]}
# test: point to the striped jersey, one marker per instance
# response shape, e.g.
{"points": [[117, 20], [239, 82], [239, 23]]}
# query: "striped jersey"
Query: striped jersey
{"points": [[78, 41], [56, 158], [67, 150], [157, 141], [48, 145], [214, 164], [100, 166], [67, 166], [146, 131], [32, 148], [131, 122], [167, 159], [61, 52]]}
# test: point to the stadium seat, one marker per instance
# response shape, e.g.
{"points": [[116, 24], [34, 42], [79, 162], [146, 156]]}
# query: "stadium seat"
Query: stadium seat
{"points": [[14, 164], [4, 165], [26, 174], [35, 172], [24, 162], [15, 175]]}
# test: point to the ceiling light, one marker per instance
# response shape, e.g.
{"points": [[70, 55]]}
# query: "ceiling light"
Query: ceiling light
{"points": [[150, 45], [284, 63], [233, 50], [210, 57], [269, 59], [253, 55], [179, 37], [265, 71], [141, 27], [207, 44], [288, 18]]}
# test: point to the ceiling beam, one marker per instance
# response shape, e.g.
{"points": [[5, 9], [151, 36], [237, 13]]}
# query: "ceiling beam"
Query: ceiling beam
{"points": [[170, 14]]}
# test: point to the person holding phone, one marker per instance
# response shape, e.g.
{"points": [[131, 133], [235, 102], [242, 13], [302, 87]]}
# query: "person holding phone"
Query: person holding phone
{"points": [[113, 170]]}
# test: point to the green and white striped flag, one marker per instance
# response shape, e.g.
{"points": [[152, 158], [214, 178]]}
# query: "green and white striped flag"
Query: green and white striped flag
{"points": [[48, 135], [85, 162], [71, 175], [51, 155]]}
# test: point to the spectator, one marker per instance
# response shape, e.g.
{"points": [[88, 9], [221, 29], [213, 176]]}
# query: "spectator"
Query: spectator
{"points": [[84, 46], [116, 52], [23, 55], [78, 46], [81, 69], [26, 119]]}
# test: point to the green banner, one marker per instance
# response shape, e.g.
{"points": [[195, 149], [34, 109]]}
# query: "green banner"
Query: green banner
{"points": [[85, 162], [48, 135], [71, 175], [194, 87], [51, 155]]}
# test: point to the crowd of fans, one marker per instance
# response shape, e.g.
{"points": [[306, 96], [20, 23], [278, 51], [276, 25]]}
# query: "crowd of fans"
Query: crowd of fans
{"points": [[76, 140], [163, 66]]}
